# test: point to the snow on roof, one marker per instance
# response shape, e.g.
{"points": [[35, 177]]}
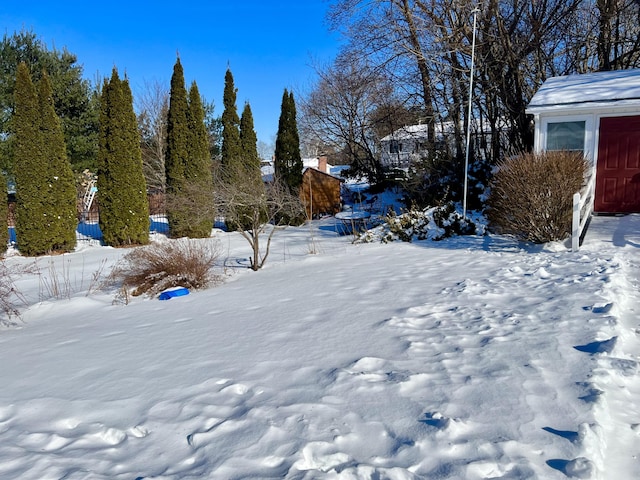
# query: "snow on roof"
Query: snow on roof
{"points": [[600, 88], [408, 131], [419, 131]]}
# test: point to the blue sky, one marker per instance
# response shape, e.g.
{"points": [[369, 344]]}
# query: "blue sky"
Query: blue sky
{"points": [[269, 45]]}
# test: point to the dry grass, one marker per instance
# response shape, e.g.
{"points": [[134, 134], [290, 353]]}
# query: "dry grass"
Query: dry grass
{"points": [[10, 297], [174, 263], [531, 195]]}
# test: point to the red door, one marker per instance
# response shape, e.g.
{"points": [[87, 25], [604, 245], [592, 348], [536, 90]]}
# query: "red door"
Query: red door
{"points": [[618, 168]]}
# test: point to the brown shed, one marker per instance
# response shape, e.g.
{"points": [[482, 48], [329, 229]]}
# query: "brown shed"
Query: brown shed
{"points": [[320, 193]]}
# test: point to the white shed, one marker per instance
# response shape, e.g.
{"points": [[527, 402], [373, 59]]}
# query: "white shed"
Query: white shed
{"points": [[597, 114]]}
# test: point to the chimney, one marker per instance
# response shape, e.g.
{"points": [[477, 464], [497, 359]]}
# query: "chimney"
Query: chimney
{"points": [[322, 163]]}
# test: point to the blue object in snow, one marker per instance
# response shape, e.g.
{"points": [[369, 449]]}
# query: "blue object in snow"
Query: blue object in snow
{"points": [[176, 292]]}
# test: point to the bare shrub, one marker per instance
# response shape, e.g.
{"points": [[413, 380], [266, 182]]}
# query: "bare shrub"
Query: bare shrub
{"points": [[174, 263], [256, 210], [531, 195], [9, 297]]}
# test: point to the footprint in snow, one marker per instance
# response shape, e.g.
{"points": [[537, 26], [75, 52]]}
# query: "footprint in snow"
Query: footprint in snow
{"points": [[577, 468], [604, 346], [435, 419], [573, 437], [600, 307]]}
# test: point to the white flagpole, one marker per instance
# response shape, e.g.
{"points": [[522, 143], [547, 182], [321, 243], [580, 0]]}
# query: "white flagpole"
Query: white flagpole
{"points": [[466, 157]]}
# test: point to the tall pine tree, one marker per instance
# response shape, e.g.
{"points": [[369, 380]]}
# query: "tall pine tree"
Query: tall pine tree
{"points": [[231, 146], [288, 162], [31, 220], [61, 192], [122, 196]]}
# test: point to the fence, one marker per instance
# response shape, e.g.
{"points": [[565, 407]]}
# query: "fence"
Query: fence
{"points": [[582, 209], [89, 220]]}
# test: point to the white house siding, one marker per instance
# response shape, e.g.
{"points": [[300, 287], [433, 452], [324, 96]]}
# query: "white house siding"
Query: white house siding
{"points": [[587, 98]]}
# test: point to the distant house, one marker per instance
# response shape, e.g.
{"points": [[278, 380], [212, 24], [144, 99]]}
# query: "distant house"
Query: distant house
{"points": [[403, 146], [407, 145], [597, 114], [320, 191]]}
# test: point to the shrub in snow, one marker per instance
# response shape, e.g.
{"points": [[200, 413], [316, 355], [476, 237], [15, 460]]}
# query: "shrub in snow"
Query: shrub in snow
{"points": [[173, 263], [435, 223], [9, 296], [531, 195]]}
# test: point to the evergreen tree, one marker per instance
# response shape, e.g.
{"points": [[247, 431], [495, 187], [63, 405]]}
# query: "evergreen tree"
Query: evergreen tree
{"points": [[30, 169], [4, 213], [288, 162], [122, 196], [188, 162], [249, 141], [231, 146], [75, 101], [177, 150], [61, 195], [198, 179], [199, 166], [251, 175], [176, 155]]}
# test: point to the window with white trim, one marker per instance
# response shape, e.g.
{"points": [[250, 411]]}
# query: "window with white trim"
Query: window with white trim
{"points": [[566, 136]]}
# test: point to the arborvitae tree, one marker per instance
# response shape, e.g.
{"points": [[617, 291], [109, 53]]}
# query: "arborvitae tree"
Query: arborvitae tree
{"points": [[122, 196], [197, 195], [288, 162], [231, 146], [177, 151], [4, 212], [30, 169], [199, 165], [250, 175], [249, 141], [75, 102], [190, 208], [61, 194]]}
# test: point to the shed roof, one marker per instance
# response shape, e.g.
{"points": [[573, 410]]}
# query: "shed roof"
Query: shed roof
{"points": [[315, 171], [600, 89]]}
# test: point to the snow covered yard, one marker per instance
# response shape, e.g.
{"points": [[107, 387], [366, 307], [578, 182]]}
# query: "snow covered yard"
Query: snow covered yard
{"points": [[470, 358]]}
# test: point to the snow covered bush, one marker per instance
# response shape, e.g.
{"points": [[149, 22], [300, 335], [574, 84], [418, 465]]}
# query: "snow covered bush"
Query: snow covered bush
{"points": [[435, 223], [531, 195], [173, 263], [407, 226]]}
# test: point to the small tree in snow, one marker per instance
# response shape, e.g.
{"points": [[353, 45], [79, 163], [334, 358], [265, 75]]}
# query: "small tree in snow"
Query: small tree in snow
{"points": [[253, 208]]}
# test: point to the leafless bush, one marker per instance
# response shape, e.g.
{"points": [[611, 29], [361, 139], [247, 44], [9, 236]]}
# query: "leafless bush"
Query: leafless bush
{"points": [[56, 280], [531, 195], [9, 297], [174, 263], [256, 210]]}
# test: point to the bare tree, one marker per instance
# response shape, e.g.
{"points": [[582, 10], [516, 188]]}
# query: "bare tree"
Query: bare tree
{"points": [[256, 211], [424, 47], [343, 112], [152, 105], [618, 34]]}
